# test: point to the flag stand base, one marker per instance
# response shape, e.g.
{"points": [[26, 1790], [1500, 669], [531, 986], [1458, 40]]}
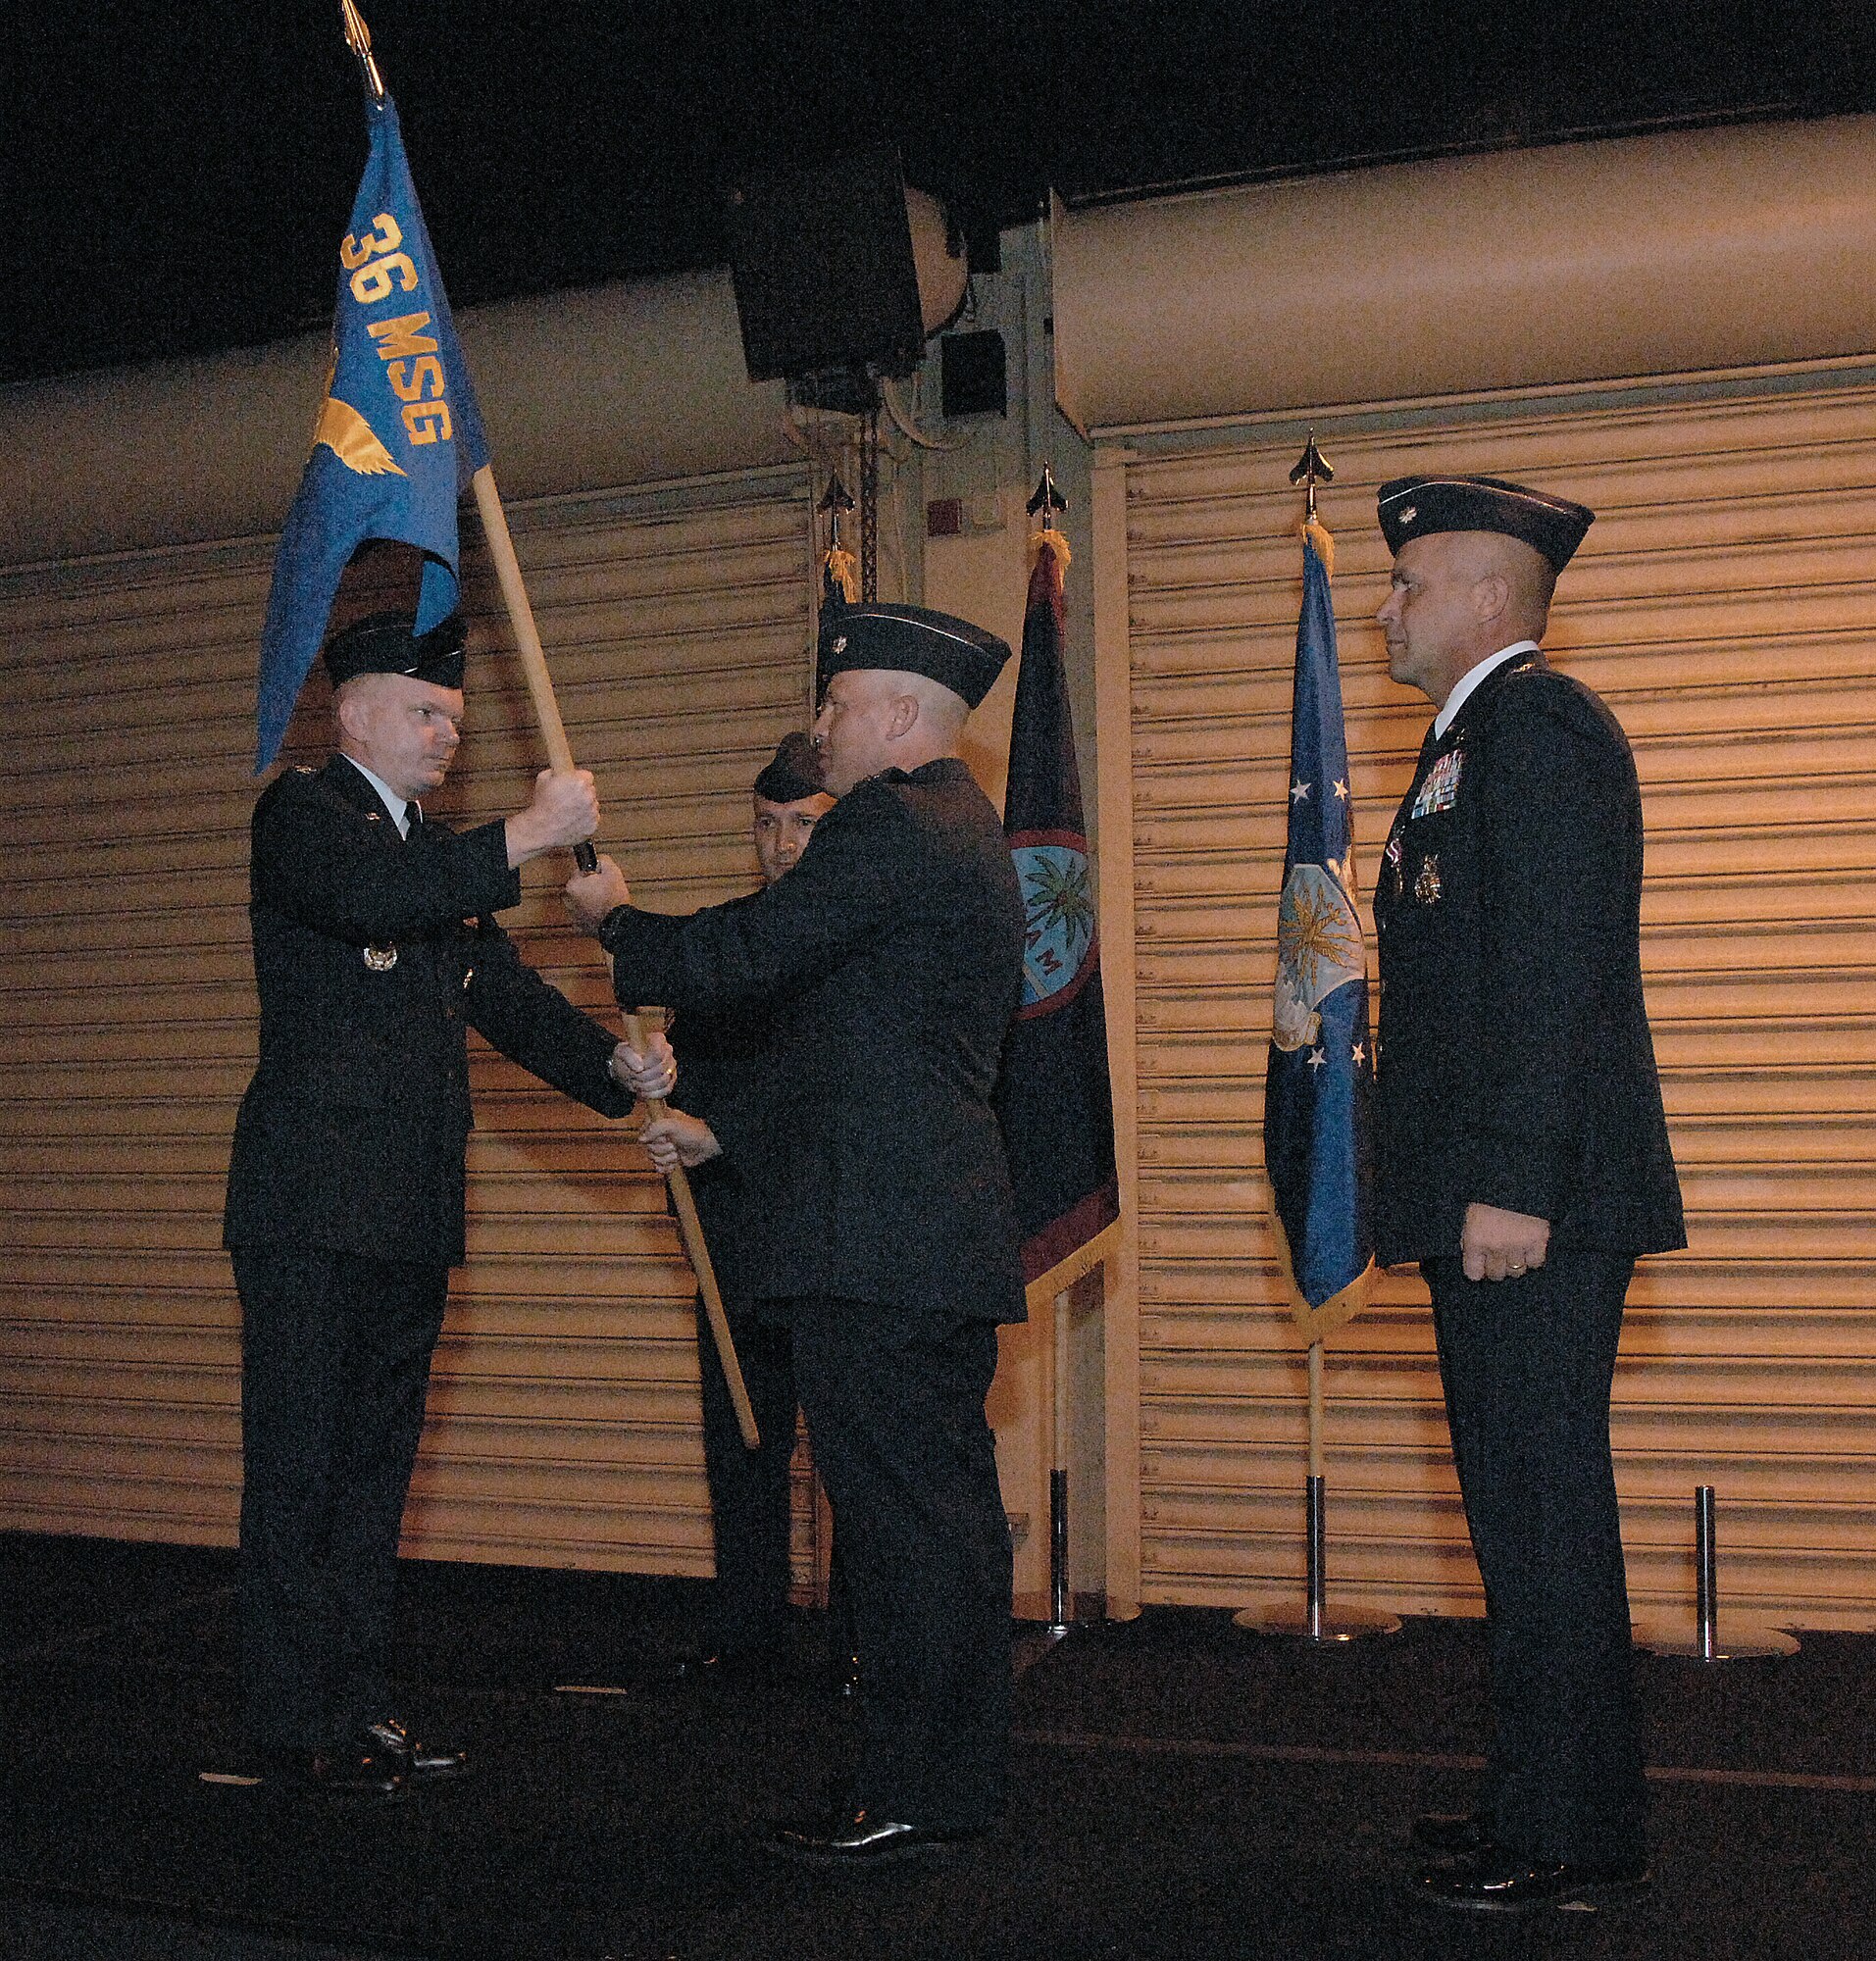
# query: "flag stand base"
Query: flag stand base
{"points": [[1313, 1621], [1346, 1624], [1743, 1640]]}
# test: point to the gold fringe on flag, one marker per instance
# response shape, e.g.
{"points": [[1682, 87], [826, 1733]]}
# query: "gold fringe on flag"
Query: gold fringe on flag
{"points": [[1325, 545], [1050, 540], [840, 569]]}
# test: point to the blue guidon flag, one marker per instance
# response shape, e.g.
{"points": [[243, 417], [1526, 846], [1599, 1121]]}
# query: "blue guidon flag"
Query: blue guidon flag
{"points": [[398, 437], [1053, 1097], [1319, 1080]]}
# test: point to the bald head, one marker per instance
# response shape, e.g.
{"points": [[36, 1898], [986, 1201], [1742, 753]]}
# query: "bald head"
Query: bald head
{"points": [[875, 719], [1457, 598]]}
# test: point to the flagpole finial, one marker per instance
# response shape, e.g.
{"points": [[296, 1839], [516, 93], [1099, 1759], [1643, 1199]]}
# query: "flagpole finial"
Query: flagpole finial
{"points": [[836, 502], [1312, 467], [1048, 499], [358, 37]]}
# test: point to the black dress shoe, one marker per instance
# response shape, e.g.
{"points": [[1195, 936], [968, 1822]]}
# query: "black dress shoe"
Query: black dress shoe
{"points": [[861, 1840], [1492, 1879], [721, 1667], [346, 1770], [423, 1763], [1451, 1831]]}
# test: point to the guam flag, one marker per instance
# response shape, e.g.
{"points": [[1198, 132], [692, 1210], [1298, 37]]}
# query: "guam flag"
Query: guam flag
{"points": [[1053, 1098], [398, 437], [1319, 1080]]}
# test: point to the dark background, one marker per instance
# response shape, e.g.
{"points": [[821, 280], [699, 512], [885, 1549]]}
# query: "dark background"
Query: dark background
{"points": [[178, 171]]}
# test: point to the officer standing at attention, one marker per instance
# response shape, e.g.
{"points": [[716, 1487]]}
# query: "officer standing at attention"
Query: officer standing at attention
{"points": [[374, 946], [888, 963], [749, 1489], [1522, 1159]]}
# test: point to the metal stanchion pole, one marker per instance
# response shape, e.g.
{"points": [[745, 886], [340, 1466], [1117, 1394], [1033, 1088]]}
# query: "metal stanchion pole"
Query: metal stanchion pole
{"points": [[1318, 1556], [1706, 1579], [1061, 1610], [1744, 1640], [1315, 1623], [1061, 1605]]}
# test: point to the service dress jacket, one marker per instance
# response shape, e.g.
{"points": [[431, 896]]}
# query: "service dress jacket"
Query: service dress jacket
{"points": [[371, 956], [1515, 1064], [890, 963]]}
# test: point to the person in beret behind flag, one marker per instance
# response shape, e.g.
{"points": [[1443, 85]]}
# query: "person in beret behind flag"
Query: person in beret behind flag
{"points": [[374, 946], [1522, 1159], [888, 963]]}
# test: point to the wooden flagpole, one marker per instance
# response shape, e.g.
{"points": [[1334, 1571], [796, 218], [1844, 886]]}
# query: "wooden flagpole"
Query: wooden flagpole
{"points": [[540, 690]]}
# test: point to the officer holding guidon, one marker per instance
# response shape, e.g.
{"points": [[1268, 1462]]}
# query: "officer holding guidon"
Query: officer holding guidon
{"points": [[375, 948]]}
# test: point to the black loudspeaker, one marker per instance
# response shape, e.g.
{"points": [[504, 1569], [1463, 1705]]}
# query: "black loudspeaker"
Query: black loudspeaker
{"points": [[825, 279], [973, 375]]}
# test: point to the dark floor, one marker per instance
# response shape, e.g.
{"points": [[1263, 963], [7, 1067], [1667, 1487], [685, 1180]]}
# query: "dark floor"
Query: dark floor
{"points": [[1183, 1789]]}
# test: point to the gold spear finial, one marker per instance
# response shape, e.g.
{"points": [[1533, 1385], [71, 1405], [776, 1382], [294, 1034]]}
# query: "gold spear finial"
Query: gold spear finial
{"points": [[358, 37]]}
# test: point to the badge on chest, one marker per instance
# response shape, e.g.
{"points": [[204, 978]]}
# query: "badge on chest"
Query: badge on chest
{"points": [[1425, 885]]}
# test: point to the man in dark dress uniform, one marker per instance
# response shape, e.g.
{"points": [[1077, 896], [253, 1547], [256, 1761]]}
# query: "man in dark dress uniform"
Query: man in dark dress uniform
{"points": [[716, 1054], [888, 963], [374, 946], [1522, 1158]]}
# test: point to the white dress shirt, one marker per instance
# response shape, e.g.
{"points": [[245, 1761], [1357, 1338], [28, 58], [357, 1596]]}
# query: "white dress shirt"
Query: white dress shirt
{"points": [[400, 808], [1463, 688]]}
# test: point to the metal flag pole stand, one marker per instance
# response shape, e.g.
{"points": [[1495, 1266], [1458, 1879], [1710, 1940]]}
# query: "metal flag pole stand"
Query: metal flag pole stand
{"points": [[1314, 1621], [1744, 1640], [1061, 1602]]}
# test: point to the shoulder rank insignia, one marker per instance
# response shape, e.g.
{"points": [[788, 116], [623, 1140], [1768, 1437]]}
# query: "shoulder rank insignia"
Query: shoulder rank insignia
{"points": [[1426, 882], [380, 959], [1440, 790]]}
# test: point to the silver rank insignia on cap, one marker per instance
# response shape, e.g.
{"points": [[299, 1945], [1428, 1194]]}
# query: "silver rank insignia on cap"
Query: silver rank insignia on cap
{"points": [[380, 959], [1410, 514], [840, 645], [1426, 882]]}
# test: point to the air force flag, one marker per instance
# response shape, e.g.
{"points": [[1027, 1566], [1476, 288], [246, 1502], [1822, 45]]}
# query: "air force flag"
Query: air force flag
{"points": [[1319, 1079], [399, 436]]}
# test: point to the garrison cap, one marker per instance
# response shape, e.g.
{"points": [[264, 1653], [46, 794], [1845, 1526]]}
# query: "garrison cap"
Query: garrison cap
{"points": [[1412, 507], [386, 644], [912, 640], [792, 772]]}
